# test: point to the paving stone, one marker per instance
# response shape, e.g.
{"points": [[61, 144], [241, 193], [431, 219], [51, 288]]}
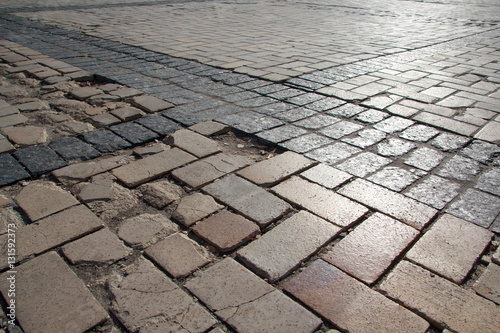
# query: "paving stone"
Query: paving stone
{"points": [[150, 149], [326, 176], [460, 168], [12, 171], [50, 297], [152, 167], [6, 146], [161, 193], [282, 133], [366, 138], [488, 285], [71, 148], [226, 231], [105, 120], [51, 231], [349, 304], [441, 301], [317, 121], [333, 153], [340, 129], [449, 141], [12, 120], [346, 110], [204, 171], [368, 251], [134, 133], [339, 210], [105, 141], [371, 116], [424, 158], [251, 124], [150, 103], [419, 133], [41, 199], [26, 135], [248, 199], [305, 143], [127, 113], [158, 124], [446, 123], [126, 92], [394, 147], [92, 192], [145, 299], [490, 181], [102, 247], [79, 172], [481, 151], [363, 164], [476, 207], [102, 99], [388, 202], [83, 93], [490, 132], [451, 247], [394, 178], [434, 191], [496, 256], [393, 124], [381, 102], [282, 249], [39, 159], [178, 255], [210, 128], [194, 207], [143, 230], [193, 143], [247, 303], [271, 171]]}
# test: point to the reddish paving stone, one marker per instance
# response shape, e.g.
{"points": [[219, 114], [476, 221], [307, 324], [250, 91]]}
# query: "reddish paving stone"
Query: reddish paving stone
{"points": [[271, 171], [488, 284], [161, 193], [51, 298], [440, 301], [150, 104], [144, 230], [26, 135], [101, 247], [226, 231], [146, 300], [248, 199], [127, 114], [41, 199], [210, 128], [194, 207], [349, 304], [178, 255], [83, 93], [370, 249], [388, 202], [193, 143], [451, 247], [247, 303], [320, 201], [326, 176], [152, 167], [204, 171], [282, 249], [105, 120]]}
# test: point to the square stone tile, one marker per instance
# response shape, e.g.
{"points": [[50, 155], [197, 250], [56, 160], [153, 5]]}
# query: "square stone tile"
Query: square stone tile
{"points": [[363, 164], [366, 138], [394, 178], [194, 207], [333, 153], [340, 129], [326, 176], [305, 143], [476, 207], [394, 147], [127, 113], [460, 168], [393, 124], [419, 133], [39, 159], [449, 141], [434, 191], [490, 181], [282, 133], [105, 141], [425, 158]]}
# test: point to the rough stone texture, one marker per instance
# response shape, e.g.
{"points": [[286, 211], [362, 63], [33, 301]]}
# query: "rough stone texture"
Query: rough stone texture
{"points": [[449, 141], [434, 191], [152, 167], [158, 124], [305, 143], [12, 120], [424, 158], [150, 103], [440, 300], [178, 255], [51, 298], [366, 138], [91, 192], [210, 128], [39, 159], [40, 199], [388, 202], [340, 129], [161, 193], [488, 284], [481, 151], [490, 181], [105, 141], [420, 133], [247, 303], [144, 230], [496, 256], [369, 250], [72, 148], [349, 304], [271, 171], [52, 231], [460, 168], [83, 93], [320, 201], [281, 133], [393, 124], [146, 300], [26, 135], [326, 176], [193, 143], [134, 133], [451, 247], [394, 178], [394, 147], [248, 199], [194, 207], [12, 171], [226, 231], [204, 171], [333, 153], [363, 164], [102, 247], [125, 92], [282, 249], [477, 207], [127, 113]]}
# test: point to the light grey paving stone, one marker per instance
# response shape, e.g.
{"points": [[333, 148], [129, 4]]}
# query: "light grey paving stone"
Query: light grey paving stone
{"points": [[363, 164], [425, 158], [366, 138], [451, 247], [282, 249], [305, 143], [333, 153], [326, 175], [449, 141], [193, 143], [481, 151], [490, 181], [395, 178], [476, 207], [372, 116], [419, 133], [394, 147], [434, 191], [446, 123], [460, 168], [393, 124], [388, 202], [340, 129], [248, 199]]}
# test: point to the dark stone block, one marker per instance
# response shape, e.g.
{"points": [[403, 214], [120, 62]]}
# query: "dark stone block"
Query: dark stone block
{"points": [[159, 124], [72, 148], [39, 159], [134, 133], [11, 170], [105, 141]]}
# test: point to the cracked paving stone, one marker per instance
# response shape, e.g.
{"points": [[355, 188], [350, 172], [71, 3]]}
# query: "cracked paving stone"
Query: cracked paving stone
{"points": [[158, 124], [161, 193], [419, 133], [134, 133], [394, 178], [434, 191], [460, 168], [326, 176], [147, 300], [333, 153], [490, 181], [366, 138], [247, 303], [481, 151], [393, 124], [424, 158], [105, 141], [39, 159], [394, 147], [144, 230], [340, 129], [282, 133], [71, 148], [346, 110], [363, 164], [195, 207], [12, 171], [449, 141], [476, 207]]}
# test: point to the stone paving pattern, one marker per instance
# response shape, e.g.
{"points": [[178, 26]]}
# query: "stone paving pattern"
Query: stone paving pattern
{"points": [[199, 174]]}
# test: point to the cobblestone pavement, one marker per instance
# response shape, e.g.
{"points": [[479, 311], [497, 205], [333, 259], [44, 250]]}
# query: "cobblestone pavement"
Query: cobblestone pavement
{"points": [[177, 166]]}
